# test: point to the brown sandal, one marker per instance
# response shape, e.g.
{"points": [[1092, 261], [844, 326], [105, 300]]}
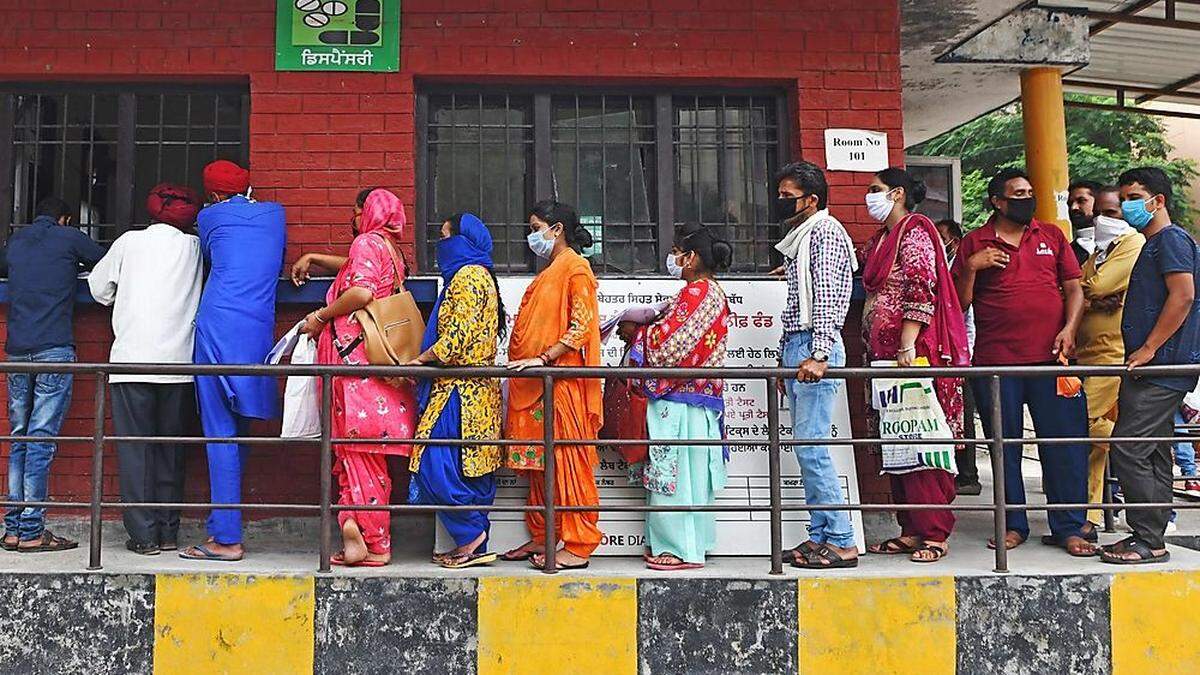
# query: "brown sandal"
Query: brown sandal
{"points": [[893, 546], [50, 542], [939, 552]]}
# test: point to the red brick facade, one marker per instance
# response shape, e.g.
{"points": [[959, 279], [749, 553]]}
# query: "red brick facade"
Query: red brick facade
{"points": [[316, 137]]}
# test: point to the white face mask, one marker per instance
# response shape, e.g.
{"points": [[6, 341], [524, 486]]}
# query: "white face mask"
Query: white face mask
{"points": [[880, 205], [673, 267], [540, 245]]}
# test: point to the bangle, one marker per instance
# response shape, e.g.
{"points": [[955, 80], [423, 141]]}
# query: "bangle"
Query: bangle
{"points": [[317, 316], [904, 350], [545, 357]]}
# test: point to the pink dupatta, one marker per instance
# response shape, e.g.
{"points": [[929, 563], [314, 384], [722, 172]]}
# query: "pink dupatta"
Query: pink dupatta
{"points": [[945, 338]]}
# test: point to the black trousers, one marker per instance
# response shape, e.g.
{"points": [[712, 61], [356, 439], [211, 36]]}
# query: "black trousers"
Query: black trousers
{"points": [[152, 472], [1145, 469]]}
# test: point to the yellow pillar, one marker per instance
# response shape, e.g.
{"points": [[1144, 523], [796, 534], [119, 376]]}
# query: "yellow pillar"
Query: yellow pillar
{"points": [[1046, 143]]}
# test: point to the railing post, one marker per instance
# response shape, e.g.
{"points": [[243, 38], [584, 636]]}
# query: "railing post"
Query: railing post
{"points": [[548, 482], [326, 471], [94, 532], [1107, 495], [773, 463], [998, 501]]}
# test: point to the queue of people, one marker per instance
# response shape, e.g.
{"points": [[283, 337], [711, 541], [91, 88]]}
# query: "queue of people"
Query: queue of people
{"points": [[934, 297]]}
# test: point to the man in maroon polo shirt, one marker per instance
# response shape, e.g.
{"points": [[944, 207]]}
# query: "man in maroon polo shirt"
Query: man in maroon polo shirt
{"points": [[1022, 279]]}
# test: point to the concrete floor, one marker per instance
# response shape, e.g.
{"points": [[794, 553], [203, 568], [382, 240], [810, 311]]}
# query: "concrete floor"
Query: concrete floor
{"points": [[288, 546]]}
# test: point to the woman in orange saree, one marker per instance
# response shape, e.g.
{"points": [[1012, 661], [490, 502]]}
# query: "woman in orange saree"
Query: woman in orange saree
{"points": [[558, 324]]}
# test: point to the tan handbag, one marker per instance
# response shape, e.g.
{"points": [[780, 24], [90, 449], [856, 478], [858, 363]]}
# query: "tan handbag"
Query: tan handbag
{"points": [[392, 327]]}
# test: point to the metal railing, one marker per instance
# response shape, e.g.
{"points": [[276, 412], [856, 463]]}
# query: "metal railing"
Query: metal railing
{"points": [[772, 376]]}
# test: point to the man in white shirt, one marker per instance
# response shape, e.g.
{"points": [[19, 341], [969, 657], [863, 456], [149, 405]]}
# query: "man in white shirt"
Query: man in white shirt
{"points": [[153, 279]]}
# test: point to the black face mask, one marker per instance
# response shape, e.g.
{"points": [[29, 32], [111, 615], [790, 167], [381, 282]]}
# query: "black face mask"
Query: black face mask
{"points": [[1079, 220], [785, 208], [1020, 211]]}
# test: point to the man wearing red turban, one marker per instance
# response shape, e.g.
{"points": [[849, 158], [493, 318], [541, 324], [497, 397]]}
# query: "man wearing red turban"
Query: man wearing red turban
{"points": [[152, 280], [242, 241]]}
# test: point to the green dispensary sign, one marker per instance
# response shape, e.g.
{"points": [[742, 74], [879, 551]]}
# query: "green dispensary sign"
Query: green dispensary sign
{"points": [[357, 35]]}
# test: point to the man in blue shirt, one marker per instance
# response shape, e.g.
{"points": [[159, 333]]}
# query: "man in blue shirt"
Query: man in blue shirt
{"points": [[42, 261], [242, 242], [1160, 326]]}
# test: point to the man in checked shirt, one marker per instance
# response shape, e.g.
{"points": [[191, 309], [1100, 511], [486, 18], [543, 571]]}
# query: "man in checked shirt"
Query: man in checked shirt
{"points": [[819, 265]]}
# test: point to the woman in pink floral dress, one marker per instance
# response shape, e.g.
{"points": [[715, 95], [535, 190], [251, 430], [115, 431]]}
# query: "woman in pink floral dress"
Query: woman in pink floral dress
{"points": [[365, 407], [912, 311]]}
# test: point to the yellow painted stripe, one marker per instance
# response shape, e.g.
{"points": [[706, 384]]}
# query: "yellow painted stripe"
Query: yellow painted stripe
{"points": [[232, 623], [561, 625], [1154, 627], [865, 625]]}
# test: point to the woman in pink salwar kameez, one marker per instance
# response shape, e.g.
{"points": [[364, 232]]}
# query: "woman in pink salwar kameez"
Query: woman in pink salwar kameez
{"points": [[364, 407]]}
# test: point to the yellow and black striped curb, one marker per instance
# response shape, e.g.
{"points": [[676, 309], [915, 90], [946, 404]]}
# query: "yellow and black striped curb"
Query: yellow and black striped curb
{"points": [[232, 623]]}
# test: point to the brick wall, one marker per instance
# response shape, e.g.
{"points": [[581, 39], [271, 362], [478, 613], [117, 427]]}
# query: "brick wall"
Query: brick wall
{"points": [[316, 137]]}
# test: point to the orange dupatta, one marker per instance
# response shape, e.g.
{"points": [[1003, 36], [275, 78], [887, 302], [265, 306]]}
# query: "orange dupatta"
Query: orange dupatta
{"points": [[543, 319]]}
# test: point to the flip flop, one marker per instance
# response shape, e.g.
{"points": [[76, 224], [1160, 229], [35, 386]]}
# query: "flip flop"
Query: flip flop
{"points": [[205, 554], [516, 555], [669, 567], [7, 546], [560, 567], [458, 562], [992, 543]]}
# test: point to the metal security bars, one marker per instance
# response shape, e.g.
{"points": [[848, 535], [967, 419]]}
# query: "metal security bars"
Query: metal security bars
{"points": [[634, 162], [103, 146], [326, 509]]}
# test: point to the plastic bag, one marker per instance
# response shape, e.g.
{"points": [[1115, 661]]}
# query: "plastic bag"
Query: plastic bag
{"points": [[909, 410], [302, 396]]}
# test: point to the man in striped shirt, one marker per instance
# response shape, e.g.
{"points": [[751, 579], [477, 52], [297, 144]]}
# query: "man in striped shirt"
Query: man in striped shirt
{"points": [[819, 266]]}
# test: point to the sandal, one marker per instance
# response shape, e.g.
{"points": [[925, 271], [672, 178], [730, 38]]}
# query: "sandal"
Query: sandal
{"points": [[1145, 555], [199, 552], [1090, 535], [680, 563], [893, 546], [1072, 546], [7, 546], [789, 556], [825, 559], [939, 552], [465, 560], [49, 542]]}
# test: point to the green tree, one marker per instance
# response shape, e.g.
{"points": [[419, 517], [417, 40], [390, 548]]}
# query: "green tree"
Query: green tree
{"points": [[1100, 145]]}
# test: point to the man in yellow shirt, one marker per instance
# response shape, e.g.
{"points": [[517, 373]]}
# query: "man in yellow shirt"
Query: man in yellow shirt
{"points": [[1105, 280]]}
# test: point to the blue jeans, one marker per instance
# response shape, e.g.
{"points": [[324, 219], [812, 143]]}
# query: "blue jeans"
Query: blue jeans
{"points": [[37, 405], [1185, 454], [811, 405]]}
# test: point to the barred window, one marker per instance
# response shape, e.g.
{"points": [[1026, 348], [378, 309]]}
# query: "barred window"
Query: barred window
{"points": [[633, 163], [102, 147]]}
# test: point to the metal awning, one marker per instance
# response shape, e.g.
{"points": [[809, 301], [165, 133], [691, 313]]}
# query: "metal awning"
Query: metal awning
{"points": [[1142, 51]]}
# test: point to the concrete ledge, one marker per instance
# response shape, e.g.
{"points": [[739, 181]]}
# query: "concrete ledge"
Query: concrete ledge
{"points": [[1099, 623]]}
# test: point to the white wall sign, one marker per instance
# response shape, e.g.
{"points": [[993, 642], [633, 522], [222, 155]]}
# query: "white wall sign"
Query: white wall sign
{"points": [[753, 341], [855, 150]]}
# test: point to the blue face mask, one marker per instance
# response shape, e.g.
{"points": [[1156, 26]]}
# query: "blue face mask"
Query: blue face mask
{"points": [[1136, 213], [540, 245]]}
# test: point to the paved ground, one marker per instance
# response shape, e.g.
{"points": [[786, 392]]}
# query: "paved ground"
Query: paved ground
{"points": [[289, 546]]}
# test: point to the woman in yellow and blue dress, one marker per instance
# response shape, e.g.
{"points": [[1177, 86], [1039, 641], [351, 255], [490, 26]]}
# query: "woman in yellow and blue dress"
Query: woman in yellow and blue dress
{"points": [[467, 320]]}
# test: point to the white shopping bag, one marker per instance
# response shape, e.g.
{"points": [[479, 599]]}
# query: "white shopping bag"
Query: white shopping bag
{"points": [[909, 410], [302, 396]]}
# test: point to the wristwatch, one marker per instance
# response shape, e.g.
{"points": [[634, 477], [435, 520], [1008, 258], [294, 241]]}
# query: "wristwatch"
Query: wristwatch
{"points": [[820, 357]]}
